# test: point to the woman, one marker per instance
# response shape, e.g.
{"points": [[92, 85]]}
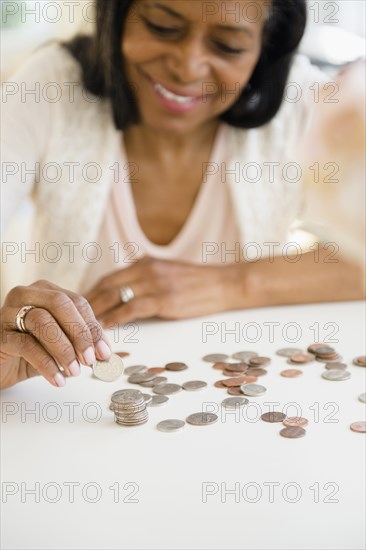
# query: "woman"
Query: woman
{"points": [[159, 177]]}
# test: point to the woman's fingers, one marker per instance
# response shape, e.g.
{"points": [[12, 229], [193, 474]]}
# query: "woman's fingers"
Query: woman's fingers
{"points": [[139, 308], [110, 299], [31, 350], [73, 315]]}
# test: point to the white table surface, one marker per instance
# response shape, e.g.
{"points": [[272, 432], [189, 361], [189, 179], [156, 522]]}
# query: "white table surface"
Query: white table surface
{"points": [[169, 472]]}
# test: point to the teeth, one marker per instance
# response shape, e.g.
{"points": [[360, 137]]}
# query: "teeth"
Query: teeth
{"points": [[173, 97]]}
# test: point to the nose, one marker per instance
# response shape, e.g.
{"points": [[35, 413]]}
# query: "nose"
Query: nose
{"points": [[189, 61]]}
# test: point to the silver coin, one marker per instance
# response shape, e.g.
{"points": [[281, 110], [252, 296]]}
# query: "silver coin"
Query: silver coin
{"points": [[234, 402], [215, 357], [127, 396], [244, 355], [335, 366], [167, 389], [362, 397], [335, 360], [108, 371], [158, 400], [202, 419], [287, 352], [194, 385], [253, 390], [147, 398], [336, 375], [171, 425], [154, 382], [135, 369], [140, 377]]}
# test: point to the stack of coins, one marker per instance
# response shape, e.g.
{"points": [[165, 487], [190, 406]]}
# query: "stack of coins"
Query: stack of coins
{"points": [[324, 353], [129, 407]]}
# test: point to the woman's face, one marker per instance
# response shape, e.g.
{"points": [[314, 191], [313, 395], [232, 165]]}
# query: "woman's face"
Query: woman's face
{"points": [[188, 61]]}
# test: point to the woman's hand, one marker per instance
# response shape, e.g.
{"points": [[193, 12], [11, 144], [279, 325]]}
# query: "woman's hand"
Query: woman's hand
{"points": [[166, 289], [63, 332]]}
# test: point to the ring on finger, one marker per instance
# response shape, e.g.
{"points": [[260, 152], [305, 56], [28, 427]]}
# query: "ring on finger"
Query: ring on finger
{"points": [[126, 294], [20, 318]]}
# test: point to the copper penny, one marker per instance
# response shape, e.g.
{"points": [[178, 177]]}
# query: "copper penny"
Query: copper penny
{"points": [[122, 354], [259, 361], [248, 379], [236, 367], [156, 370], [296, 421], [293, 432], [359, 427], [335, 366], [176, 366], [301, 358], [273, 416], [232, 373], [219, 384], [235, 390], [291, 373], [256, 372], [238, 381], [335, 359], [360, 361], [313, 347], [219, 366]]}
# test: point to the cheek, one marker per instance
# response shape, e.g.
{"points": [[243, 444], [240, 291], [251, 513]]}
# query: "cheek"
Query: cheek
{"points": [[139, 48]]}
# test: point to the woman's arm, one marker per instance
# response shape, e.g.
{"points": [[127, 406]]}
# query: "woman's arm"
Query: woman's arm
{"points": [[277, 281]]}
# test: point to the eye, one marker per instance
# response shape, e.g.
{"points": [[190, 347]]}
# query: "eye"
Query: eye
{"points": [[157, 29], [226, 49]]}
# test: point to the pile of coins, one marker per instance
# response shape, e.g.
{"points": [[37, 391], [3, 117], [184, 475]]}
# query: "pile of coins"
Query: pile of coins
{"points": [[129, 408]]}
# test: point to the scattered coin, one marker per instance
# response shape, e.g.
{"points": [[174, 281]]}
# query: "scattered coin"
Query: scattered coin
{"points": [[194, 385], [108, 371], [313, 347], [293, 432], [234, 381], [158, 400], [362, 397], [256, 372], [253, 390], [171, 425], [219, 384], [273, 416], [139, 377], [135, 369], [335, 366], [259, 361], [359, 427], [156, 370], [295, 421], [122, 354], [287, 352], [235, 390], [129, 408], [234, 402], [219, 365], [202, 419], [334, 359], [301, 358], [360, 361], [176, 366], [215, 357], [154, 382], [325, 350], [336, 375], [167, 389], [236, 367], [244, 355], [291, 373]]}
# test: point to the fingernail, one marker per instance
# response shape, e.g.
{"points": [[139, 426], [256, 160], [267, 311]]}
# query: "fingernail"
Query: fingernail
{"points": [[89, 356], [74, 368], [103, 350], [59, 380]]}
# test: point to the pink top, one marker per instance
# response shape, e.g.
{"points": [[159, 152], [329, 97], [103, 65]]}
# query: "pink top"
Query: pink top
{"points": [[208, 236]]}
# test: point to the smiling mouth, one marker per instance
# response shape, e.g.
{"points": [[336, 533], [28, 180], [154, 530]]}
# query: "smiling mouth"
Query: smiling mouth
{"points": [[181, 99]]}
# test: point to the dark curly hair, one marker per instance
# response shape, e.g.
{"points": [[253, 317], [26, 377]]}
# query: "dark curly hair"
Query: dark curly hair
{"points": [[103, 73]]}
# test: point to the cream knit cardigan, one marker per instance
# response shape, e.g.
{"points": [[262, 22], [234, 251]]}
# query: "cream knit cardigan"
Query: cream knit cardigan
{"points": [[59, 124]]}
